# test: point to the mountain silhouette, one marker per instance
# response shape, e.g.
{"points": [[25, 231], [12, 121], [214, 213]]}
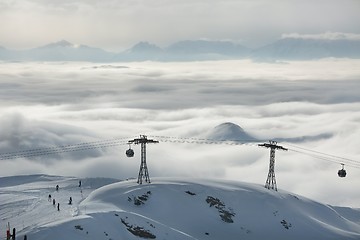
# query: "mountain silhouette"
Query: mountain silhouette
{"points": [[230, 131]]}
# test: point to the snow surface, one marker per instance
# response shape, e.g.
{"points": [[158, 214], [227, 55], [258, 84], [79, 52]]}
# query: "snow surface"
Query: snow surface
{"points": [[168, 208]]}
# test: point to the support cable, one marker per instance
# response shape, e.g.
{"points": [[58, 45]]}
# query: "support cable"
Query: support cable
{"points": [[83, 146], [326, 154], [62, 149]]}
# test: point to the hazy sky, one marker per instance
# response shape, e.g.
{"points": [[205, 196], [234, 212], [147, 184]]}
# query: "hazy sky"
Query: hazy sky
{"points": [[118, 24], [52, 104]]}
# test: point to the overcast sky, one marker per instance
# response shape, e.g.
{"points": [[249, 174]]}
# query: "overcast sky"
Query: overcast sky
{"points": [[54, 104], [118, 24]]}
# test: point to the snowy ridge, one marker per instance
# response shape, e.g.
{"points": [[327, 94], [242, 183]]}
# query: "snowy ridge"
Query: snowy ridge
{"points": [[171, 208]]}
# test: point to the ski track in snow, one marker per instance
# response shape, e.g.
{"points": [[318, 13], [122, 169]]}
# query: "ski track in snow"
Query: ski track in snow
{"points": [[26, 206]]}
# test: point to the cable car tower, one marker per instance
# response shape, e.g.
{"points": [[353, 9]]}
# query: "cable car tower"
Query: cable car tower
{"points": [[143, 172], [271, 181]]}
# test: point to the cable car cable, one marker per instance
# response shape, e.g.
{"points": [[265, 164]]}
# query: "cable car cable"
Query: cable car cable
{"points": [[123, 141], [326, 154], [325, 159]]}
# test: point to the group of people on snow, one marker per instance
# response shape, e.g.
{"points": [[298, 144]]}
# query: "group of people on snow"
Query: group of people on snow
{"points": [[53, 199], [58, 204], [10, 236]]}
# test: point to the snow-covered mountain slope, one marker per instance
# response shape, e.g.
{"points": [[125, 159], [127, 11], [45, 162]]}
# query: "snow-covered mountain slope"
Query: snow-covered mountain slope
{"points": [[171, 209], [25, 205]]}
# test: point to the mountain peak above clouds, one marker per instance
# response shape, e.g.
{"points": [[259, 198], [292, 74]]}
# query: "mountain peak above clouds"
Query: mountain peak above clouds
{"points": [[229, 131], [144, 47], [58, 44], [142, 51], [307, 48], [67, 51], [66, 45]]}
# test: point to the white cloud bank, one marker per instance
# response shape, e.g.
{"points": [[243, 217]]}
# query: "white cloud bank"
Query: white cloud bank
{"points": [[65, 103], [324, 36]]}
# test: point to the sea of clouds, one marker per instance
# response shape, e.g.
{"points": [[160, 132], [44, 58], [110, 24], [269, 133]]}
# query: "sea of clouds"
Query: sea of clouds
{"points": [[46, 104]]}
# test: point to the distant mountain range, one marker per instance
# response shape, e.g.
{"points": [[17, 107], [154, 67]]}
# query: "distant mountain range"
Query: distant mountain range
{"points": [[305, 49], [59, 51], [191, 50]]}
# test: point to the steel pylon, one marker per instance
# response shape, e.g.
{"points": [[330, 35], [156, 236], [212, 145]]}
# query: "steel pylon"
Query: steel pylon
{"points": [[271, 181]]}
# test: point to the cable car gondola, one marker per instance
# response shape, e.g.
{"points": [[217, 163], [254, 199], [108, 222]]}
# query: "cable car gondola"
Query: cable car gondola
{"points": [[129, 152], [342, 172]]}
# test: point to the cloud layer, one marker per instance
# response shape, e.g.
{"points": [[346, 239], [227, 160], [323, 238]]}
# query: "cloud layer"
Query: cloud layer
{"points": [[45, 104], [325, 36]]}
